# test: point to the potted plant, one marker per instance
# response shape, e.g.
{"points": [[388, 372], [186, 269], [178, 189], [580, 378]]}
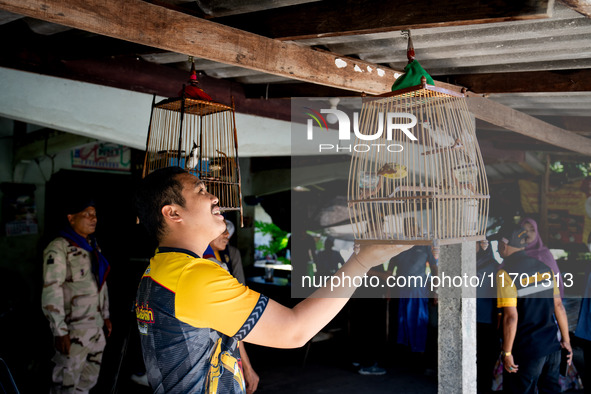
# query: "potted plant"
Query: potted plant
{"points": [[278, 242]]}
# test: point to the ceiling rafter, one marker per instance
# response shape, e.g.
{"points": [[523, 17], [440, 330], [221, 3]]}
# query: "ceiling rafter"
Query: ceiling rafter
{"points": [[489, 111], [581, 6], [531, 81], [346, 17], [159, 27], [513, 82]]}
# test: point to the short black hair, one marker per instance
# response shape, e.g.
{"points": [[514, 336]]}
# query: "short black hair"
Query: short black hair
{"points": [[156, 190], [513, 235], [328, 242]]}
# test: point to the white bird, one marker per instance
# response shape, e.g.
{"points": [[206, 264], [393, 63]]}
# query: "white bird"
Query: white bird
{"points": [[438, 135], [192, 159], [442, 137]]}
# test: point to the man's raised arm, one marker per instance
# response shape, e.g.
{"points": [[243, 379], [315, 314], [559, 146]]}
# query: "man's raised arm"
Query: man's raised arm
{"points": [[284, 327]]}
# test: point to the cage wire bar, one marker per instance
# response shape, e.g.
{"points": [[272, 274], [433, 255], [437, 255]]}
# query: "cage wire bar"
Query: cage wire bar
{"points": [[432, 191], [199, 136]]}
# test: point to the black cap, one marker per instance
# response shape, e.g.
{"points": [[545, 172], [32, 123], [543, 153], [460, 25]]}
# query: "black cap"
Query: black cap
{"points": [[512, 235], [77, 204]]}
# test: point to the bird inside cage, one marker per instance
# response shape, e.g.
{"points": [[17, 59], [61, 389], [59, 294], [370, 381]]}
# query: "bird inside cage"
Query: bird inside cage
{"points": [[435, 181], [433, 190], [210, 168], [199, 136]]}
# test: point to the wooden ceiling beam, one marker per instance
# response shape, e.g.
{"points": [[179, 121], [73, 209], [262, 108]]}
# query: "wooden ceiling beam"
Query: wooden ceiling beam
{"points": [[521, 123], [147, 24], [143, 23], [290, 90], [145, 77], [569, 157], [576, 124], [521, 82], [581, 6], [347, 17]]}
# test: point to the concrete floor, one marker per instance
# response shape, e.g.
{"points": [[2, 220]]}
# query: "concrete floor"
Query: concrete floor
{"points": [[327, 370]]}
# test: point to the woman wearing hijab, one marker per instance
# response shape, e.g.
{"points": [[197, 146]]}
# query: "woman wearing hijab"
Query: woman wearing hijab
{"points": [[535, 248]]}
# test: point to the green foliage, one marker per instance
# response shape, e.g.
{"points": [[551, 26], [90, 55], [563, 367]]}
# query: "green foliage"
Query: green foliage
{"points": [[556, 167], [278, 238], [571, 170]]}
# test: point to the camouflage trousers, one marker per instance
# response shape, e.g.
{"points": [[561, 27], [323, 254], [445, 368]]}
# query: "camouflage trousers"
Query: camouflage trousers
{"points": [[78, 372]]}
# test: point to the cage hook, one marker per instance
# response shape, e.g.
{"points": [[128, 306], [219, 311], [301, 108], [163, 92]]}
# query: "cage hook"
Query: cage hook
{"points": [[410, 49]]}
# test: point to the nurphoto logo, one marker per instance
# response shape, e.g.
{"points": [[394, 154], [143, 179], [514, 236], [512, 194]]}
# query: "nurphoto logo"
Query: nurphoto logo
{"points": [[389, 121]]}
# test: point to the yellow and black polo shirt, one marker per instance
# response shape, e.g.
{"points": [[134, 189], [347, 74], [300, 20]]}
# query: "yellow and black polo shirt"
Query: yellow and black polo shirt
{"points": [[191, 313], [530, 286]]}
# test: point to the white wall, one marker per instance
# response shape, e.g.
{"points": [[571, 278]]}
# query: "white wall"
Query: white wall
{"points": [[114, 115]]}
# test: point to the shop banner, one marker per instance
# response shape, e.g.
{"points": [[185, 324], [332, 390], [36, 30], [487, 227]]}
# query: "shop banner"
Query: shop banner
{"points": [[102, 156], [569, 210]]}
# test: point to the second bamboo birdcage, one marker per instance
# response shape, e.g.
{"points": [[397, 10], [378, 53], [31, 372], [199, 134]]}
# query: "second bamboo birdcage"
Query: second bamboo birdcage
{"points": [[200, 136], [431, 190]]}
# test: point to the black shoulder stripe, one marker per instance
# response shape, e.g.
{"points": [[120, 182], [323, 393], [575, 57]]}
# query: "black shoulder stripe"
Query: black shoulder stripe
{"points": [[254, 317]]}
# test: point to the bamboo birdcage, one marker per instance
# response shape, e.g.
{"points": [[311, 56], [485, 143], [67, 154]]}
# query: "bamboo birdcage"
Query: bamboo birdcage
{"points": [[428, 191], [199, 136]]}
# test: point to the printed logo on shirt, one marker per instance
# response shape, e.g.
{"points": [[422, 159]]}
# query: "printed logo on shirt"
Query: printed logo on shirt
{"points": [[144, 316]]}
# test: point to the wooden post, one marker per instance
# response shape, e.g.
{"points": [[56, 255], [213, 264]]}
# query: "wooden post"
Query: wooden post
{"points": [[543, 211]]}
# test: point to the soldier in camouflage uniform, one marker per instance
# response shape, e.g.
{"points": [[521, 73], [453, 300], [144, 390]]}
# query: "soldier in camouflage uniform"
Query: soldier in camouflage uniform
{"points": [[75, 301]]}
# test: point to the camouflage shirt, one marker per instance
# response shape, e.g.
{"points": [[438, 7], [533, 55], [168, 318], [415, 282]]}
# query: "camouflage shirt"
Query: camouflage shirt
{"points": [[71, 298]]}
